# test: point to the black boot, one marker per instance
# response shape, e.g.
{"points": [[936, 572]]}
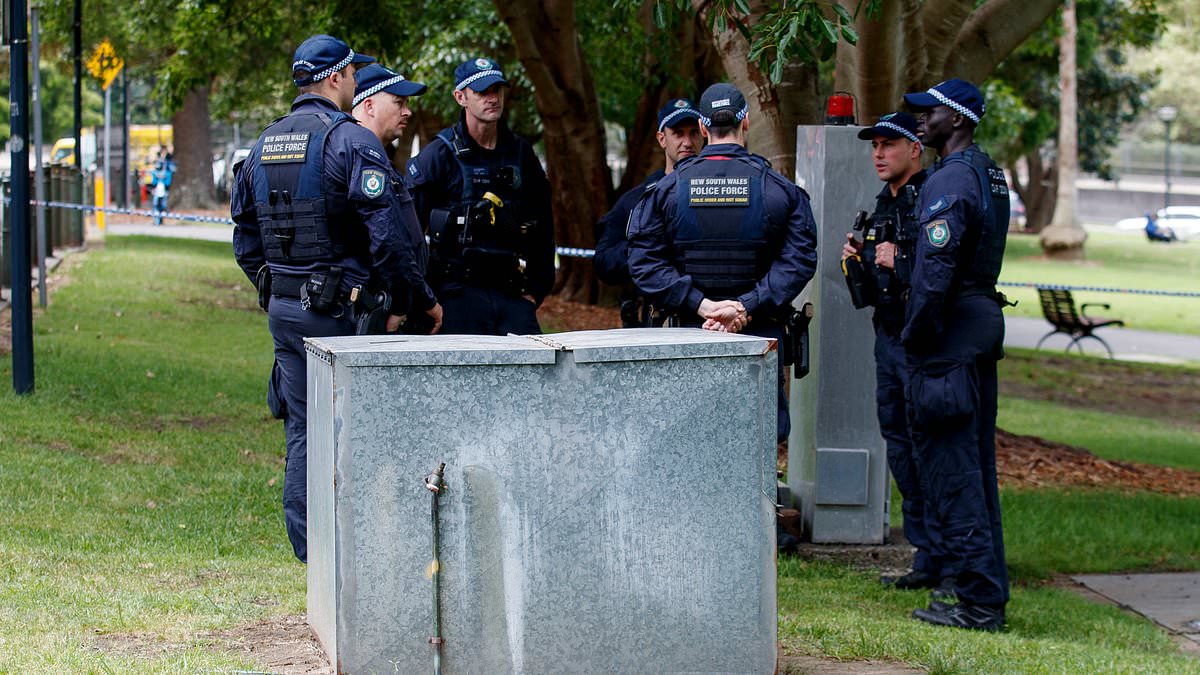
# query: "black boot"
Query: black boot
{"points": [[963, 615]]}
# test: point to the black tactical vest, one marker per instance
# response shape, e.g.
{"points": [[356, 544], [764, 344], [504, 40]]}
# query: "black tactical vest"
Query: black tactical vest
{"points": [[982, 250], [294, 210], [722, 234]]}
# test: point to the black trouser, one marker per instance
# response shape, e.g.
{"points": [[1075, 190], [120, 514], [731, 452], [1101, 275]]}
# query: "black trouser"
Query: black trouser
{"points": [[290, 324], [953, 398], [472, 310]]}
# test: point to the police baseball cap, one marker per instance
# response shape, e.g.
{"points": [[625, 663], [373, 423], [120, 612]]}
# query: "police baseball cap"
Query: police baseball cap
{"points": [[892, 125], [675, 112], [959, 95], [722, 105], [320, 56], [478, 74], [375, 78]]}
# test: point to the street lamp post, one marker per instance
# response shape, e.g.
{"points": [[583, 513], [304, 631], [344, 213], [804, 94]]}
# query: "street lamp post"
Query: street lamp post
{"points": [[1167, 114]]}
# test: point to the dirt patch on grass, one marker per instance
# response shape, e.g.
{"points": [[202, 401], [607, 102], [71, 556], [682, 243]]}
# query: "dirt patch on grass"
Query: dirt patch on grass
{"points": [[282, 644], [1030, 461]]}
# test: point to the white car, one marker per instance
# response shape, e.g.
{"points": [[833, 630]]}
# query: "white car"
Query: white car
{"points": [[1184, 220]]}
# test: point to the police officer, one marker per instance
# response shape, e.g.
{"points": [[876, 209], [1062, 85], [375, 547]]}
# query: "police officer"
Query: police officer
{"points": [[725, 242], [887, 251], [317, 228], [381, 105], [953, 337], [679, 136], [482, 194]]}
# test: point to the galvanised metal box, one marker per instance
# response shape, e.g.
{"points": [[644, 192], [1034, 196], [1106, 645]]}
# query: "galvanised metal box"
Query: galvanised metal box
{"points": [[610, 501]]}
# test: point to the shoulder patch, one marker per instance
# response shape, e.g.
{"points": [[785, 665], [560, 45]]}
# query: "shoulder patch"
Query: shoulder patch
{"points": [[373, 182], [937, 207], [938, 233]]}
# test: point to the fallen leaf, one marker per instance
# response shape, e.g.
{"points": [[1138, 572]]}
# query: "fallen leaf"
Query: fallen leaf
{"points": [[271, 483], [150, 374], [151, 504]]}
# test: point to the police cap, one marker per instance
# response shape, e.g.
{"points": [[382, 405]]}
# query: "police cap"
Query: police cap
{"points": [[892, 125], [959, 95], [722, 105], [478, 74], [320, 56], [675, 112], [375, 78]]}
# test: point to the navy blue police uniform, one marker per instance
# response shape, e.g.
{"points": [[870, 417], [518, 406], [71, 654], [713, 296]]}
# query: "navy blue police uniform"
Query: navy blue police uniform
{"points": [[612, 250], [725, 226], [371, 80], [897, 214], [611, 260], [953, 336], [314, 206], [485, 255]]}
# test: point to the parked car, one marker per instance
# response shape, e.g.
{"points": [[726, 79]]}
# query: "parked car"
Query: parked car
{"points": [[1184, 220]]}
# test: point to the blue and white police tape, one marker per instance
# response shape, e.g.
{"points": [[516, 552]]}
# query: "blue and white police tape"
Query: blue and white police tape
{"points": [[1100, 289], [166, 215], [563, 251]]}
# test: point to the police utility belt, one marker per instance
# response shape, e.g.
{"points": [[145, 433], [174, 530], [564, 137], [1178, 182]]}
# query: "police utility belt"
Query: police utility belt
{"points": [[318, 293]]}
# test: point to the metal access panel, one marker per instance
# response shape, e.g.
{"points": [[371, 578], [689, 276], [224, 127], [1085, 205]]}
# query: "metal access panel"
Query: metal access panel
{"points": [[610, 506], [835, 450]]}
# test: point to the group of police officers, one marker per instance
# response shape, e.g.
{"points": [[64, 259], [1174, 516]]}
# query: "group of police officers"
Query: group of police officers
{"points": [[334, 238]]}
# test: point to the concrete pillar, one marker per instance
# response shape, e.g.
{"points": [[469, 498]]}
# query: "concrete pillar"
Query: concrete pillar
{"points": [[837, 464]]}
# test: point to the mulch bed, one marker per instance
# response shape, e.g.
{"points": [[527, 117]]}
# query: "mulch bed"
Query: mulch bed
{"points": [[1029, 461]]}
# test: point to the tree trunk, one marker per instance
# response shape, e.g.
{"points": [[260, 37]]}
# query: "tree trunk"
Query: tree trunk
{"points": [[775, 110], [192, 186], [1039, 193], [1064, 238], [880, 69], [696, 63], [547, 42]]}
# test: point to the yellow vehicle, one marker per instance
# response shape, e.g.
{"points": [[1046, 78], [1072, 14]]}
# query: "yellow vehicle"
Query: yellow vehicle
{"points": [[145, 140]]}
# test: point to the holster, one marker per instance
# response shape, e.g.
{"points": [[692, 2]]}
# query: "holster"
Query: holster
{"points": [[796, 342], [371, 311], [320, 293]]}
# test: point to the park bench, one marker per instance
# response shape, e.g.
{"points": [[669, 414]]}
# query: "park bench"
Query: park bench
{"points": [[1059, 308]]}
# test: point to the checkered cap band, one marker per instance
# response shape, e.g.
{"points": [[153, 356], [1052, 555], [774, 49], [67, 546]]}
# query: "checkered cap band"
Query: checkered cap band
{"points": [[359, 98], [741, 115], [317, 77], [953, 105], [481, 74], [682, 111], [899, 129]]}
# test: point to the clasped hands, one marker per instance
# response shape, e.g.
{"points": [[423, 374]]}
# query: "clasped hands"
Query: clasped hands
{"points": [[726, 316]]}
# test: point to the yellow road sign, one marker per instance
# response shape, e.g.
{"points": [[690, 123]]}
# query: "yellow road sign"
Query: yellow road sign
{"points": [[104, 64]]}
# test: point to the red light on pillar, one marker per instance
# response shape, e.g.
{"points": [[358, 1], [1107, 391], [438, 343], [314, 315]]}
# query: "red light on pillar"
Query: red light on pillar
{"points": [[839, 108]]}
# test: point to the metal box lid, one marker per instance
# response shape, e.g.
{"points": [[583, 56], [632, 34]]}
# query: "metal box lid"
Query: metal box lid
{"points": [[590, 346]]}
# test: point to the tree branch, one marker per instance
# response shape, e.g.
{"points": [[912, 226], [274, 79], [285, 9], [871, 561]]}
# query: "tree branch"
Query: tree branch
{"points": [[992, 33]]}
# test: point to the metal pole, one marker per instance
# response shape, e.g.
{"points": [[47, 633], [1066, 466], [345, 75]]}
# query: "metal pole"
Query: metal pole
{"points": [[125, 166], [1167, 166], [77, 50], [39, 185], [107, 144], [435, 483], [22, 307]]}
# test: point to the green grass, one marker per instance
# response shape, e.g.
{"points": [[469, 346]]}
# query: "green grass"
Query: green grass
{"points": [[828, 610], [1113, 260], [141, 481], [1107, 435], [141, 485]]}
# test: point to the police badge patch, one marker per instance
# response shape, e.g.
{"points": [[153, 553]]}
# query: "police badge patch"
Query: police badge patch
{"points": [[938, 232], [372, 183]]}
